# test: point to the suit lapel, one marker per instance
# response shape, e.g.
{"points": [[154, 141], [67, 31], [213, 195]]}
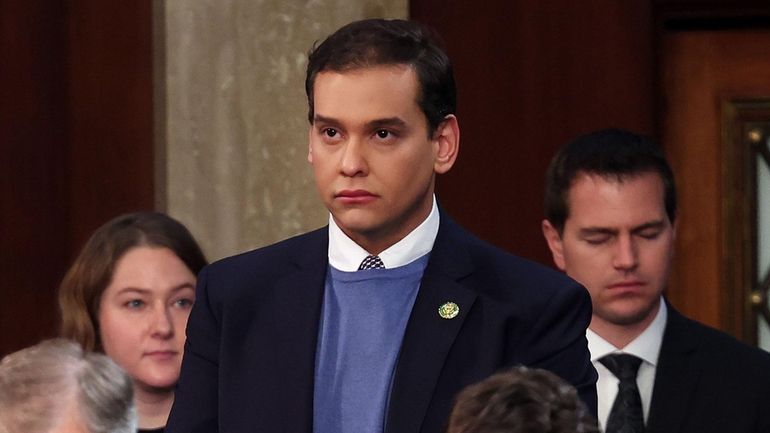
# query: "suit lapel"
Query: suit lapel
{"points": [[290, 346], [428, 336], [676, 376]]}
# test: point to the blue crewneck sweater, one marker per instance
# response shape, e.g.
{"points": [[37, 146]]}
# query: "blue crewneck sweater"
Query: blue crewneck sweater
{"points": [[363, 319]]}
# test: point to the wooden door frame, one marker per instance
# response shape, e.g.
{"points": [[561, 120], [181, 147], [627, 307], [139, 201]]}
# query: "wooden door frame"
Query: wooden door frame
{"points": [[742, 298], [736, 312]]}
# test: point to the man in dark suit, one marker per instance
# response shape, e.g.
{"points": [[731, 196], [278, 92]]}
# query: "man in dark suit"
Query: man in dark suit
{"points": [[373, 323], [610, 224]]}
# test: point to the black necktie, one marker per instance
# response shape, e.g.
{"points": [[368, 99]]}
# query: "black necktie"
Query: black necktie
{"points": [[626, 415], [371, 262]]}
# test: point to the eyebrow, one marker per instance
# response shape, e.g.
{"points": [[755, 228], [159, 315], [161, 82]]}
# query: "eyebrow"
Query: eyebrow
{"points": [[611, 231], [372, 124], [148, 291], [598, 231], [649, 225], [390, 121], [323, 119]]}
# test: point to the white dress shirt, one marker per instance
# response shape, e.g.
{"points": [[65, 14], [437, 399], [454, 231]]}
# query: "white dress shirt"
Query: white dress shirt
{"points": [[646, 346], [346, 255]]}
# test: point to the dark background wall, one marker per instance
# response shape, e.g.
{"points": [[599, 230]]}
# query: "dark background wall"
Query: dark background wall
{"points": [[532, 75], [76, 116], [76, 142]]}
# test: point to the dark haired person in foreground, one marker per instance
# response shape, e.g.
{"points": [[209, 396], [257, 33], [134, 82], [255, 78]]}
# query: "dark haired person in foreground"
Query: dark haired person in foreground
{"points": [[373, 323], [610, 223], [521, 400], [56, 387]]}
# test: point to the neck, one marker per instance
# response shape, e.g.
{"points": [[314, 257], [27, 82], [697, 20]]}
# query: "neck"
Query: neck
{"points": [[620, 335], [152, 406]]}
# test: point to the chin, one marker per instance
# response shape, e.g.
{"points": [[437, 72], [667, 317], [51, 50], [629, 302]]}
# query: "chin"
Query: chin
{"points": [[628, 315], [160, 382], [160, 386], [354, 218], [358, 226]]}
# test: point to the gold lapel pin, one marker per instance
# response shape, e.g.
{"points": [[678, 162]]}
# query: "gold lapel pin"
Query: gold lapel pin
{"points": [[449, 310]]}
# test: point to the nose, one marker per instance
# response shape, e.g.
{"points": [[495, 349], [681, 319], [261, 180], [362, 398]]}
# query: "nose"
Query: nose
{"points": [[162, 323], [353, 162], [626, 257]]}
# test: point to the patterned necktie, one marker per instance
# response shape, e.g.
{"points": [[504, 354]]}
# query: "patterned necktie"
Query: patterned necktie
{"points": [[626, 415], [371, 262]]}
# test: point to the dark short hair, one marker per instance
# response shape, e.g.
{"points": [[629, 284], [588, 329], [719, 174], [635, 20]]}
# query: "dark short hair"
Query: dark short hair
{"points": [[81, 289], [521, 400], [609, 153], [376, 42]]}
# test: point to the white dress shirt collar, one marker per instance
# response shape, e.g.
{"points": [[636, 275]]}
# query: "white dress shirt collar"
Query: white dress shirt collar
{"points": [[346, 255], [646, 346]]}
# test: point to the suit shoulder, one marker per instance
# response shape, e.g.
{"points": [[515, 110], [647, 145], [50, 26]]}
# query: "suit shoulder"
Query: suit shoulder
{"points": [[719, 346], [289, 247], [279, 258], [494, 258], [509, 276]]}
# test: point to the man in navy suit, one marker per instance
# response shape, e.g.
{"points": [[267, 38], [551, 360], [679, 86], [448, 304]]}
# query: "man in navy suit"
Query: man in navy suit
{"points": [[610, 224], [373, 323]]}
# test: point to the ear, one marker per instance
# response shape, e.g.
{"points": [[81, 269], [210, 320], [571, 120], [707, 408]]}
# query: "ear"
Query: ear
{"points": [[555, 244], [310, 145], [446, 138]]}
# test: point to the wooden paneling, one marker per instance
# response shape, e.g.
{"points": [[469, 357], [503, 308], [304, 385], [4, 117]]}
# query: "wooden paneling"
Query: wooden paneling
{"points": [[701, 71], [532, 75], [721, 12], [110, 112], [76, 141], [33, 210]]}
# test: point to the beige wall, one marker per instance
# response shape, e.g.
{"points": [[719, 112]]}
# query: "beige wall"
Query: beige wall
{"points": [[231, 114]]}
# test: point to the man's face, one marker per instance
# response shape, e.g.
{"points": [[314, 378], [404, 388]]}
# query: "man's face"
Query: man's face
{"points": [[373, 160], [618, 243]]}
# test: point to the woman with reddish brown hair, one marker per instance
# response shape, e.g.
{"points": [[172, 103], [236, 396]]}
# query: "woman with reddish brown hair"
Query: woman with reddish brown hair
{"points": [[128, 295]]}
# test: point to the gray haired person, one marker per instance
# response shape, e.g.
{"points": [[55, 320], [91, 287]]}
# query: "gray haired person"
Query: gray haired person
{"points": [[57, 387]]}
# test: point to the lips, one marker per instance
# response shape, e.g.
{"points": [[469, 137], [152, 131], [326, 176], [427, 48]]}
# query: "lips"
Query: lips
{"points": [[161, 355], [626, 285], [355, 196]]}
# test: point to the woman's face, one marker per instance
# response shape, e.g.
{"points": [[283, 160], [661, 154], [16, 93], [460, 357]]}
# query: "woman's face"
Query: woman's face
{"points": [[143, 314]]}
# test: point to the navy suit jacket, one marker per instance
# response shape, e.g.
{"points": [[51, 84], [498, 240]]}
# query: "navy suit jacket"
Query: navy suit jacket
{"points": [[251, 338], [706, 381]]}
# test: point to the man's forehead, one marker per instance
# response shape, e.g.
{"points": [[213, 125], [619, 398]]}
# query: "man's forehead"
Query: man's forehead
{"points": [[363, 71], [613, 178], [359, 68], [366, 94], [591, 182], [600, 201]]}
